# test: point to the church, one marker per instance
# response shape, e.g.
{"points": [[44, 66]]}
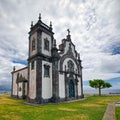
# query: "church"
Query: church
{"points": [[53, 74]]}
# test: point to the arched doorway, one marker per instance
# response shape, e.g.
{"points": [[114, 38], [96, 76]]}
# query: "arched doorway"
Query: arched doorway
{"points": [[71, 89]]}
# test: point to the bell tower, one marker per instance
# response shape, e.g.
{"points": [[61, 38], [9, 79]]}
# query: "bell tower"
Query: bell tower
{"points": [[39, 62]]}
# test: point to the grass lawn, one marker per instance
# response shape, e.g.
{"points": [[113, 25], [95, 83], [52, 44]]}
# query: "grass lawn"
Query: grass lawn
{"points": [[118, 113], [92, 108]]}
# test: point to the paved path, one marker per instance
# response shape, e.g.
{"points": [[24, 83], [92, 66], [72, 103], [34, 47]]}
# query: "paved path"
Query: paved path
{"points": [[110, 112]]}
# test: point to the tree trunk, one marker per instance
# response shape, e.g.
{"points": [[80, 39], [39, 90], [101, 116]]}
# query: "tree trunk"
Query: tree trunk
{"points": [[99, 91]]}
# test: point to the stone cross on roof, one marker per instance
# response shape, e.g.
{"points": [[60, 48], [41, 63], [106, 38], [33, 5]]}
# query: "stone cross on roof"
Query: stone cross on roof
{"points": [[68, 31]]}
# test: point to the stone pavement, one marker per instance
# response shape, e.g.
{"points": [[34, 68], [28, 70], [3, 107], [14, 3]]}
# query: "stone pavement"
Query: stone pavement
{"points": [[110, 112]]}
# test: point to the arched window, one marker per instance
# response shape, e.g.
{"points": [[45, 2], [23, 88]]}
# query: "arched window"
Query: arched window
{"points": [[70, 66]]}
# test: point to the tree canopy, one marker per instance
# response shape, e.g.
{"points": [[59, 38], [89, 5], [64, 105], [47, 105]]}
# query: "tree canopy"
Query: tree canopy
{"points": [[99, 84]]}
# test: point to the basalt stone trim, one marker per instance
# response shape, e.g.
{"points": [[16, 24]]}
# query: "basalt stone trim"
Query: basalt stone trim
{"points": [[19, 97], [42, 56], [29, 44], [55, 99], [55, 80], [45, 101], [76, 91], [80, 72], [67, 80], [62, 99], [67, 56], [66, 72], [41, 26], [28, 80], [32, 100], [82, 87], [39, 41], [39, 80], [36, 100], [24, 96], [14, 96], [41, 101], [51, 100], [63, 45], [80, 96]]}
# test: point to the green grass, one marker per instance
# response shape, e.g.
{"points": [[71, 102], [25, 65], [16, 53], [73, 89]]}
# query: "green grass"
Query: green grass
{"points": [[117, 113], [92, 108]]}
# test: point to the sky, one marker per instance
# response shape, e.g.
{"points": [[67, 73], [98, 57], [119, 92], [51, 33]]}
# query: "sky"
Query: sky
{"points": [[94, 27]]}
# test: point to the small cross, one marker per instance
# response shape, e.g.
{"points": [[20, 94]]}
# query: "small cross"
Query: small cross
{"points": [[39, 16], [50, 24], [68, 31]]}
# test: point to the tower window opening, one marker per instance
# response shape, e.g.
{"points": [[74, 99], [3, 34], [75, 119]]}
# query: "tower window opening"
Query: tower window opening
{"points": [[33, 44], [46, 44]]}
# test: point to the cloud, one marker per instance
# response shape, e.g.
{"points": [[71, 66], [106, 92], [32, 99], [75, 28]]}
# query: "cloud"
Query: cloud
{"points": [[94, 26]]}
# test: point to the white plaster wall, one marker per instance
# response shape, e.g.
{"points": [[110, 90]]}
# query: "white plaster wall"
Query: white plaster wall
{"points": [[20, 92], [35, 37], [46, 52], [14, 84], [79, 86], [61, 86], [46, 82], [26, 88], [73, 50], [66, 47], [61, 77], [32, 82], [24, 73]]}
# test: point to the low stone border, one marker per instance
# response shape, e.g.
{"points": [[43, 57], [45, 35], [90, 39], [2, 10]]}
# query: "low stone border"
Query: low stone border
{"points": [[110, 112], [33, 104]]}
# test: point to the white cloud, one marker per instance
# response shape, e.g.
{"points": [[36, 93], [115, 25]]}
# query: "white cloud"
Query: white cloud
{"points": [[94, 26]]}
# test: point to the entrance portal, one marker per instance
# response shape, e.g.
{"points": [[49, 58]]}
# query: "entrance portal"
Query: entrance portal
{"points": [[71, 89]]}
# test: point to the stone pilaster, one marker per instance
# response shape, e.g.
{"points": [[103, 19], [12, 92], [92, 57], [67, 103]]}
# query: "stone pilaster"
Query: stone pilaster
{"points": [[80, 73], [39, 81], [55, 74]]}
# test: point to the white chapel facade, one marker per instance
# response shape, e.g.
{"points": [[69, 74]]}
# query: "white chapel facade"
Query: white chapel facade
{"points": [[53, 74]]}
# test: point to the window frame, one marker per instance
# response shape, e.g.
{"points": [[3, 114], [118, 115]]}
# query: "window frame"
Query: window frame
{"points": [[46, 70], [33, 44], [32, 65], [71, 66], [46, 44]]}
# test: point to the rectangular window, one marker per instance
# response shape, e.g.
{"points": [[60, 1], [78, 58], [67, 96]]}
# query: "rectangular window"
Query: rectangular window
{"points": [[33, 44], [46, 44], [32, 65], [46, 71]]}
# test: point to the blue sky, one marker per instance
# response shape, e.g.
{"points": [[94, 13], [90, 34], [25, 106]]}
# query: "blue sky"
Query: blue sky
{"points": [[94, 26]]}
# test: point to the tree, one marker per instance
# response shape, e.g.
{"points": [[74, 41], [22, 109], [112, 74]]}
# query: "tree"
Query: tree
{"points": [[99, 84]]}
